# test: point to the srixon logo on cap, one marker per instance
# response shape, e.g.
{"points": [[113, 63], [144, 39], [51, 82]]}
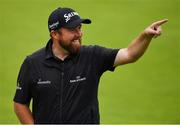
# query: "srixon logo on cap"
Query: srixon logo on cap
{"points": [[68, 16]]}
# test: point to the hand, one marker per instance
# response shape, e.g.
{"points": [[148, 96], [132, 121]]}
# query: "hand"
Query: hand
{"points": [[154, 30]]}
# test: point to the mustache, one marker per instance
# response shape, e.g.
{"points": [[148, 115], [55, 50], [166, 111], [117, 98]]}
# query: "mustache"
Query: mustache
{"points": [[77, 38]]}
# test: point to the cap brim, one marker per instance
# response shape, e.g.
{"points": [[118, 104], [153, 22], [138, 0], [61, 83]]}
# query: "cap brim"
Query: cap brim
{"points": [[76, 23]]}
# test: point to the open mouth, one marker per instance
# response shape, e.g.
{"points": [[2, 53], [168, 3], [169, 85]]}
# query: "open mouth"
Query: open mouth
{"points": [[74, 41]]}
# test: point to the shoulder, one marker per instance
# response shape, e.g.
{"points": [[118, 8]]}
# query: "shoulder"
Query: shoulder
{"points": [[37, 55], [90, 48], [97, 49], [86, 47]]}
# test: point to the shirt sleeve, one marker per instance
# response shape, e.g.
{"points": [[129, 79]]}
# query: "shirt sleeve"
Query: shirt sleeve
{"points": [[23, 89], [104, 58]]}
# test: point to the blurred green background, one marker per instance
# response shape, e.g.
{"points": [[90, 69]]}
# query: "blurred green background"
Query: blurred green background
{"points": [[147, 91]]}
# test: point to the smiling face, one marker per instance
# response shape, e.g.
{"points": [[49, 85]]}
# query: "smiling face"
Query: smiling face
{"points": [[69, 39]]}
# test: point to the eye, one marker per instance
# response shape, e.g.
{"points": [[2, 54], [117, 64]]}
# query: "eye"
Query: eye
{"points": [[79, 27], [75, 29], [72, 29]]}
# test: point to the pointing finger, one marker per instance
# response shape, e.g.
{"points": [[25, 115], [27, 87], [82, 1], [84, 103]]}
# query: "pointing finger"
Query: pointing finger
{"points": [[158, 23]]}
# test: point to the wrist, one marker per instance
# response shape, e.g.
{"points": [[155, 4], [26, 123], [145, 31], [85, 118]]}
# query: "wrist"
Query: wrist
{"points": [[147, 36]]}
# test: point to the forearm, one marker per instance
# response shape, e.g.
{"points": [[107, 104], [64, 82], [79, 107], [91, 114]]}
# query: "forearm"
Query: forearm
{"points": [[139, 45], [23, 113]]}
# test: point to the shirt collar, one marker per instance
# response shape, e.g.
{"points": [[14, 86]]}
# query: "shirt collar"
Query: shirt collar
{"points": [[49, 52]]}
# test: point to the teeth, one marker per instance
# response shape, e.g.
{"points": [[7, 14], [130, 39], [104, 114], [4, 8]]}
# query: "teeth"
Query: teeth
{"points": [[76, 40]]}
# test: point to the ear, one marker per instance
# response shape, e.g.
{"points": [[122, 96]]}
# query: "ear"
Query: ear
{"points": [[54, 34]]}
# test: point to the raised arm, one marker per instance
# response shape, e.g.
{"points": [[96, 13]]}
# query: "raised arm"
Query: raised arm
{"points": [[139, 45]]}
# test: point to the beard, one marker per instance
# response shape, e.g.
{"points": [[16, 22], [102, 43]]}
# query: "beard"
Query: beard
{"points": [[73, 47]]}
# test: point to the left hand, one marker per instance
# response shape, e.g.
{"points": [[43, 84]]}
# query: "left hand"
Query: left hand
{"points": [[154, 30]]}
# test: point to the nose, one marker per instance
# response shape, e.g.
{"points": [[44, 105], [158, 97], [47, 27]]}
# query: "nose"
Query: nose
{"points": [[78, 32]]}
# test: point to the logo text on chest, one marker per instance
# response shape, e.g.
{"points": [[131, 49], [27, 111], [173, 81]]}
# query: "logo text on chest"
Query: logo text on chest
{"points": [[78, 79], [43, 82]]}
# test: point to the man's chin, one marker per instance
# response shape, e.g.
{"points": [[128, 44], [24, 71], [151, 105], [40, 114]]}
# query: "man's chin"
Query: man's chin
{"points": [[75, 47]]}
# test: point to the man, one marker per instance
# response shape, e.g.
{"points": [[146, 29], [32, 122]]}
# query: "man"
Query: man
{"points": [[62, 78]]}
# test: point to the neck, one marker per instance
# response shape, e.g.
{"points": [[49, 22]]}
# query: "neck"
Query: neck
{"points": [[58, 51]]}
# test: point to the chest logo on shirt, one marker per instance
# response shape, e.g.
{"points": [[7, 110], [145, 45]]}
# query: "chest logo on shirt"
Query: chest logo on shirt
{"points": [[43, 82], [78, 79]]}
